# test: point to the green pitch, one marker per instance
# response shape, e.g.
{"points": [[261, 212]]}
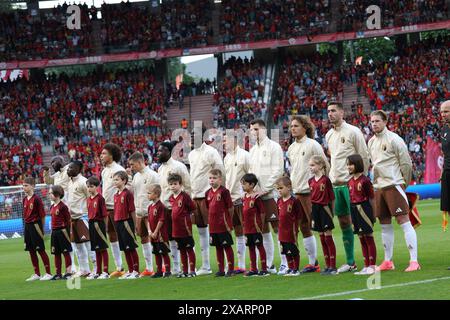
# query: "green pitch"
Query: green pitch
{"points": [[432, 282]]}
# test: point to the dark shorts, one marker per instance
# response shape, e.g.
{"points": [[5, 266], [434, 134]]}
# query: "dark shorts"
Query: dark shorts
{"points": [[445, 191], [160, 248], [125, 234], [253, 239], [223, 239], [34, 237], [60, 241], [200, 217], [322, 218], [97, 233], [237, 215], [391, 202], [289, 249], [186, 242], [141, 226], [362, 218], [79, 233], [271, 209]]}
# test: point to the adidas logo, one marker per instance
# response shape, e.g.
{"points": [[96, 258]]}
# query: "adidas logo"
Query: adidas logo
{"points": [[256, 241], [97, 247], [224, 242], [273, 216], [289, 252], [83, 237], [127, 247], [398, 210]]}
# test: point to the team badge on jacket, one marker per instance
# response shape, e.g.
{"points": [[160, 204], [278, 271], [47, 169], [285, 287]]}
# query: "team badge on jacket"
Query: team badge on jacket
{"points": [[31, 206], [219, 197], [384, 147], [122, 200], [343, 140], [180, 204], [289, 208], [251, 204], [57, 212], [359, 187], [155, 212], [322, 187]]}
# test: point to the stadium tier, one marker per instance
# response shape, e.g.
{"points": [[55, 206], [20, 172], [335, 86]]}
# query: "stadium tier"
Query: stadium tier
{"points": [[28, 35]]}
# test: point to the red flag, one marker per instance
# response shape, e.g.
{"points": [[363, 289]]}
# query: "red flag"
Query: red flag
{"points": [[434, 162], [414, 216]]}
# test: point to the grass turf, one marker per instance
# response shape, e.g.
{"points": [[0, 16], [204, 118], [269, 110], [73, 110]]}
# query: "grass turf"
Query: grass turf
{"points": [[434, 256]]}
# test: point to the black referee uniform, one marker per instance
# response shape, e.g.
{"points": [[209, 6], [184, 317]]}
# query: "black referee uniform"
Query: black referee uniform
{"points": [[445, 180]]}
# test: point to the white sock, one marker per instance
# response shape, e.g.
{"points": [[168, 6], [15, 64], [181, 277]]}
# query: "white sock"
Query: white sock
{"points": [[83, 257], [240, 246], [147, 250], [282, 256], [311, 249], [92, 256], [175, 254], [204, 245], [269, 246], [72, 256], [411, 240], [387, 235], [117, 255]]}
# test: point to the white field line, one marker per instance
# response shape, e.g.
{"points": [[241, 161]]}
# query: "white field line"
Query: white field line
{"points": [[343, 293]]}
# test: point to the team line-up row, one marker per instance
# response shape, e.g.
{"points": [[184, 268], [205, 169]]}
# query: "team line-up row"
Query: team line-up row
{"points": [[237, 194]]}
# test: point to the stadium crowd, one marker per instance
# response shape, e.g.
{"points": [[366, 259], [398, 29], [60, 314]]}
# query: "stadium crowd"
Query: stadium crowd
{"points": [[394, 13], [27, 35], [239, 98], [64, 110], [250, 20], [177, 24], [305, 86], [24, 36]]}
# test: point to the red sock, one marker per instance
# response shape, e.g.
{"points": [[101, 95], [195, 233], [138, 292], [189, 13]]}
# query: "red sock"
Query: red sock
{"points": [[296, 262], [135, 257], [191, 255], [252, 258], [365, 250], [158, 260], [129, 261], [331, 250], [220, 258], [166, 260], [372, 250], [290, 261], [58, 263], [325, 250], [262, 257], [230, 257], [99, 258], [67, 260], [45, 260], [35, 262], [184, 260], [105, 259]]}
